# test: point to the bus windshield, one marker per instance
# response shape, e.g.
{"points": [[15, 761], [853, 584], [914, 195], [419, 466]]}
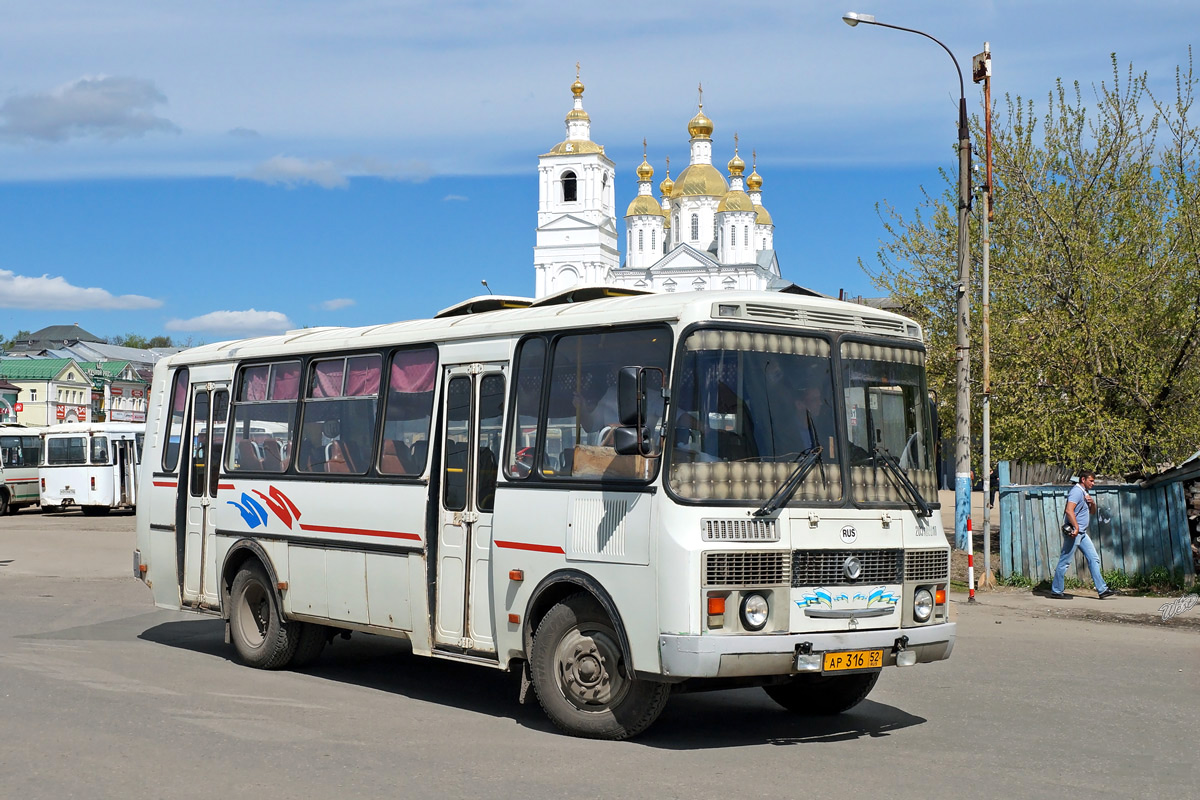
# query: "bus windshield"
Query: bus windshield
{"points": [[746, 407], [886, 411]]}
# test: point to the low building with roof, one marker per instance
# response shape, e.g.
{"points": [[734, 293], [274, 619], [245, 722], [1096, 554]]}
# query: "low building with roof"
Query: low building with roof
{"points": [[54, 336], [52, 390], [119, 392]]}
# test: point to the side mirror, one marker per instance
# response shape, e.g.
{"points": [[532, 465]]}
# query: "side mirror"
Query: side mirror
{"points": [[631, 400], [640, 407]]}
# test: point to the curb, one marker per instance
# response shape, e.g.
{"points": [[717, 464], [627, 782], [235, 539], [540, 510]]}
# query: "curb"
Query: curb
{"points": [[1029, 604]]}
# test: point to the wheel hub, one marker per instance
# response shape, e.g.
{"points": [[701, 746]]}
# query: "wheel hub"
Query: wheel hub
{"points": [[588, 670]]}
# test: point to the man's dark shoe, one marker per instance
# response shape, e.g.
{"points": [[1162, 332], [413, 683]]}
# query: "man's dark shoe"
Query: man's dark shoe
{"points": [[1106, 594], [1060, 596]]}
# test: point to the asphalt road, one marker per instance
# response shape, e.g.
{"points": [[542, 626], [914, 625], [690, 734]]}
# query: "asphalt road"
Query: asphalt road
{"points": [[102, 695]]}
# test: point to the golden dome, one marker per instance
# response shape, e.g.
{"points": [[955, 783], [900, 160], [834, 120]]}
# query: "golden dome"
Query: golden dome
{"points": [[736, 165], [577, 113], [735, 201], [667, 184], [763, 217], [575, 147], [644, 171], [699, 180], [644, 206], [700, 126], [754, 181], [577, 88]]}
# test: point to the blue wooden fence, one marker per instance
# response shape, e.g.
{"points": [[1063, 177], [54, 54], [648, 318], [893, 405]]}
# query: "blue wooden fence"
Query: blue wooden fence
{"points": [[1135, 529]]}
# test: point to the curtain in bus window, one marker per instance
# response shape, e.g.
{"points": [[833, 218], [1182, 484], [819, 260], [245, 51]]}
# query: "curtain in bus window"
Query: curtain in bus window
{"points": [[175, 422], [582, 402], [260, 436], [526, 402], [338, 432], [408, 412], [285, 381]]}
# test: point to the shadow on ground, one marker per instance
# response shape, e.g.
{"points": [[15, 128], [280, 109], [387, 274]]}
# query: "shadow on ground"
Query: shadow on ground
{"points": [[692, 721]]}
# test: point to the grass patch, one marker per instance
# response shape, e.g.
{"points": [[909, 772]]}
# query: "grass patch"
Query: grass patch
{"points": [[1157, 582]]}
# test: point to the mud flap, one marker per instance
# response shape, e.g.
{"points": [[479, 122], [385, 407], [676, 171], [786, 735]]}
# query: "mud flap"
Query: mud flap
{"points": [[525, 693]]}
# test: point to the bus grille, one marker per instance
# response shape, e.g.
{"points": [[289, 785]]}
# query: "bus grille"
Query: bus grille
{"points": [[741, 530], [826, 567], [927, 565], [746, 569]]}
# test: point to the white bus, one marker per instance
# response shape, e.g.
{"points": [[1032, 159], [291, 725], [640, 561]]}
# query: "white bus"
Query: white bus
{"points": [[93, 465], [20, 453], [617, 496]]}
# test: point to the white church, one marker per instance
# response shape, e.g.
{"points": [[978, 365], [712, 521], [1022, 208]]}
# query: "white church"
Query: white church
{"points": [[704, 232]]}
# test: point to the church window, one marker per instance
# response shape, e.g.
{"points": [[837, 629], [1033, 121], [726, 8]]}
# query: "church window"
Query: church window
{"points": [[695, 227], [714, 227], [641, 239], [568, 186], [745, 235], [653, 240]]}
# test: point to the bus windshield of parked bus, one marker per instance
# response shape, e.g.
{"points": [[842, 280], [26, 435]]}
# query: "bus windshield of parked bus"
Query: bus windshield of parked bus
{"points": [[746, 407]]}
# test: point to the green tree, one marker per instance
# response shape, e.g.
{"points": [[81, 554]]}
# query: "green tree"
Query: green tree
{"points": [[139, 341], [17, 337], [1095, 278]]}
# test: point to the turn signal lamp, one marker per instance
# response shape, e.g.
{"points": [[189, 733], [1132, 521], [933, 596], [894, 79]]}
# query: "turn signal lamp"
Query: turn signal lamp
{"points": [[716, 611], [939, 596]]}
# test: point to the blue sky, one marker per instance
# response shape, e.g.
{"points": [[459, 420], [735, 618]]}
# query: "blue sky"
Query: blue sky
{"points": [[215, 169]]}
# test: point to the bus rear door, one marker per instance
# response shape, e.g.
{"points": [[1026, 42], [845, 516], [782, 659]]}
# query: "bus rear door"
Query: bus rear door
{"points": [[210, 408], [471, 437]]}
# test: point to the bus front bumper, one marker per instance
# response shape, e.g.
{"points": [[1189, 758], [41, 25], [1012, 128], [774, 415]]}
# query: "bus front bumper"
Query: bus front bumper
{"points": [[745, 655]]}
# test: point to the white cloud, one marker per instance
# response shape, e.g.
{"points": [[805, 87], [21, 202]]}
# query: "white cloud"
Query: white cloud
{"points": [[239, 323], [55, 294], [105, 107], [455, 198], [337, 303], [292, 172]]}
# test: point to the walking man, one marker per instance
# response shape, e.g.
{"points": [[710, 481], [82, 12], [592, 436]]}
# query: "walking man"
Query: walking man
{"points": [[1080, 508]]}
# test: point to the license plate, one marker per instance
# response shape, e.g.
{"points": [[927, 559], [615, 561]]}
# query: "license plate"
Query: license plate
{"points": [[68, 490], [853, 659]]}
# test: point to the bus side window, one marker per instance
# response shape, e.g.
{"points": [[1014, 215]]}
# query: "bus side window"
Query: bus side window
{"points": [[408, 411]]}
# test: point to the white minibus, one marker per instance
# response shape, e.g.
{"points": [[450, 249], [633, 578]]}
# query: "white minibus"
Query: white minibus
{"points": [[20, 453], [93, 465], [615, 494]]}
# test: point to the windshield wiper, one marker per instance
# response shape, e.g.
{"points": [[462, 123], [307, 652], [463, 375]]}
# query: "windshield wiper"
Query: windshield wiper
{"points": [[894, 468], [804, 464]]}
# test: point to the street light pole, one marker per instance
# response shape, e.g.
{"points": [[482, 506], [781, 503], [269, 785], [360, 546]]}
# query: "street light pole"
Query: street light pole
{"points": [[962, 438]]}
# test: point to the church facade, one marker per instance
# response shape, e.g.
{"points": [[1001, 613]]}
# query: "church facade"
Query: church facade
{"points": [[704, 231]]}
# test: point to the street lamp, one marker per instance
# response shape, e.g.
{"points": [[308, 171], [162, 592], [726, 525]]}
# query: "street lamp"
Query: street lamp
{"points": [[962, 438]]}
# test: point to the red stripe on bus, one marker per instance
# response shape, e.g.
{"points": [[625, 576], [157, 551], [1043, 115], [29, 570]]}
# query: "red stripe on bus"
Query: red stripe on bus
{"points": [[537, 548], [225, 486], [22, 480], [167, 484], [359, 532]]}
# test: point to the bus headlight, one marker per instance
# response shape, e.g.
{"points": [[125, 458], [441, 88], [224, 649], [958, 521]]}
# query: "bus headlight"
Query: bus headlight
{"points": [[922, 605], [754, 612]]}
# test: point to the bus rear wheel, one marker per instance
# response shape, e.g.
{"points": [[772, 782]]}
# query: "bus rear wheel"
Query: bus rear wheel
{"points": [[259, 634], [581, 678], [823, 694]]}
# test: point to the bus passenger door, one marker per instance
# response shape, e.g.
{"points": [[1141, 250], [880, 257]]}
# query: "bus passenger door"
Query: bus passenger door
{"points": [[210, 407], [474, 407]]}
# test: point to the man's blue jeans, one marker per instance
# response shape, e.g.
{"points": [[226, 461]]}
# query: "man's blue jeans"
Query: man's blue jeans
{"points": [[1084, 543]]}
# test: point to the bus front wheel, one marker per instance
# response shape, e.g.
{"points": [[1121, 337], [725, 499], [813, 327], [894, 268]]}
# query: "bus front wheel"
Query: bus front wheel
{"points": [[581, 678], [259, 634], [823, 694]]}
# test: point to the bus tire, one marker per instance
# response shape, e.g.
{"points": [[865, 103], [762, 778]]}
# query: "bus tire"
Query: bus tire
{"points": [[4, 506], [580, 677], [94, 511], [823, 694], [309, 643], [259, 634]]}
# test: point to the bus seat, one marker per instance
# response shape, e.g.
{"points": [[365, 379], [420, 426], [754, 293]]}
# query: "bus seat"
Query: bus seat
{"points": [[247, 457], [335, 458], [418, 455], [272, 460], [390, 462]]}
